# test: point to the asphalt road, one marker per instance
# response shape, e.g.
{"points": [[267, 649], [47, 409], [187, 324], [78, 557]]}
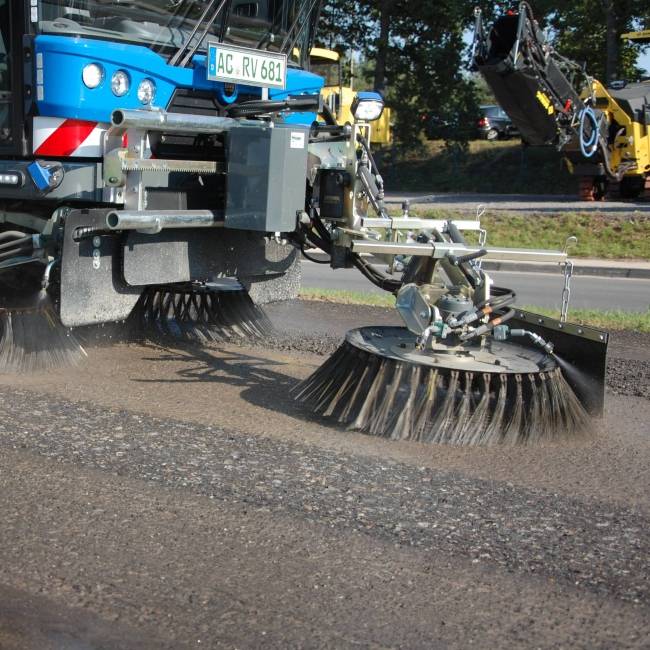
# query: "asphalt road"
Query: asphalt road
{"points": [[539, 289], [524, 203], [169, 496]]}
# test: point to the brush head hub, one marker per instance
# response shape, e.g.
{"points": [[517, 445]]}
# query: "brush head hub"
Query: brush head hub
{"points": [[487, 355]]}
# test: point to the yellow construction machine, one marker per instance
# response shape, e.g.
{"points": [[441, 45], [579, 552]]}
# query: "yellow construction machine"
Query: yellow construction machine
{"points": [[339, 98], [604, 132]]}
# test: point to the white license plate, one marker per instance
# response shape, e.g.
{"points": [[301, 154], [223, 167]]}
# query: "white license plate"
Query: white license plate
{"points": [[245, 66]]}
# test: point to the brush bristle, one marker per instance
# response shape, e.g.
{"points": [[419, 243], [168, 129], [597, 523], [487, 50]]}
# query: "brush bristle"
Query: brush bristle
{"points": [[402, 401], [200, 316], [34, 339]]}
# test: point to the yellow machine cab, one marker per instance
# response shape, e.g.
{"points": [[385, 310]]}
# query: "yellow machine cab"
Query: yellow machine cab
{"points": [[327, 64]]}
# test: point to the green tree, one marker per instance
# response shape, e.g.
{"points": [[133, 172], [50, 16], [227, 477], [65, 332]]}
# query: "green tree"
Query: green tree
{"points": [[589, 32], [415, 54], [417, 49]]}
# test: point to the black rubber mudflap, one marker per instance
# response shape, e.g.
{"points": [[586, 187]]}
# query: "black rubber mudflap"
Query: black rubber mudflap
{"points": [[92, 290]]}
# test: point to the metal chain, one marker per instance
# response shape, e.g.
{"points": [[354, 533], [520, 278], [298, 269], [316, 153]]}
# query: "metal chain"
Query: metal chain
{"points": [[482, 235], [566, 292]]}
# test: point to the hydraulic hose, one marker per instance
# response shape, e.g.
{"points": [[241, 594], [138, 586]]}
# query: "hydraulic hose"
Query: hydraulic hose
{"points": [[366, 147], [500, 298], [375, 193], [378, 278], [22, 241], [588, 145], [14, 252], [330, 120], [87, 232], [488, 327], [484, 308], [326, 240], [259, 107], [315, 240], [468, 270], [547, 346], [11, 234], [310, 258], [454, 233]]}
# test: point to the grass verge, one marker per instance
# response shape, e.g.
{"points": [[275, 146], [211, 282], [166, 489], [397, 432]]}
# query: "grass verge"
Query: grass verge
{"points": [[605, 319], [343, 297], [600, 319], [599, 235], [502, 167]]}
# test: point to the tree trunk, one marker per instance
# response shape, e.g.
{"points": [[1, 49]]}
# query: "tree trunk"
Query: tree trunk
{"points": [[612, 45], [382, 46]]}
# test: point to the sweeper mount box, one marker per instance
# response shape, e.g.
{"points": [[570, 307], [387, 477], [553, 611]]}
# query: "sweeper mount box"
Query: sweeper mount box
{"points": [[265, 189]]}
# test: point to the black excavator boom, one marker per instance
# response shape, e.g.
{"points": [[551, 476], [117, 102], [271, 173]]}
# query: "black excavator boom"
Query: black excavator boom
{"points": [[539, 89]]}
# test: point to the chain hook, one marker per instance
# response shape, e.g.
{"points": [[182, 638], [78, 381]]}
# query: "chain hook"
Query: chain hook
{"points": [[566, 292]]}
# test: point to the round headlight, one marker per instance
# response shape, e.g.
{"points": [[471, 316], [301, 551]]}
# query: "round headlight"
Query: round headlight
{"points": [[92, 75], [367, 106], [146, 91], [120, 83], [368, 111]]}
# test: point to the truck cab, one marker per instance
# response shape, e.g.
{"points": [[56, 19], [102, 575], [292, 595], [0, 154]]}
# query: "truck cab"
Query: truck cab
{"points": [[175, 114], [83, 60]]}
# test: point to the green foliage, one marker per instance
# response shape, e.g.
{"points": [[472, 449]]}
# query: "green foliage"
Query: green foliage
{"points": [[599, 235], [426, 73], [414, 52], [579, 29], [598, 318], [484, 94]]}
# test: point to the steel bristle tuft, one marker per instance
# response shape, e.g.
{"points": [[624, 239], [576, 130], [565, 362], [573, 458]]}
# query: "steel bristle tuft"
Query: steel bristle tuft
{"points": [[393, 399], [34, 338], [199, 315]]}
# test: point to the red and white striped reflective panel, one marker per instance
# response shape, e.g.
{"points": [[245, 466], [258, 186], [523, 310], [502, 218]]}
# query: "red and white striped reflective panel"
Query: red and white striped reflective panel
{"points": [[61, 137]]}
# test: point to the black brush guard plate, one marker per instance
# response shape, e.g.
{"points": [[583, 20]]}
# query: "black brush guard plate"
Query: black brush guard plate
{"points": [[184, 255], [584, 348]]}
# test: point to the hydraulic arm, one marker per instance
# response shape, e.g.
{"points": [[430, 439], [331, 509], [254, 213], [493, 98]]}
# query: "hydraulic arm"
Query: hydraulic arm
{"points": [[604, 132]]}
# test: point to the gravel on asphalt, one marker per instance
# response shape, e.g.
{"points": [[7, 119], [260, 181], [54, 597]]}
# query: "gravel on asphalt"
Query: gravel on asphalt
{"points": [[178, 493], [596, 545]]}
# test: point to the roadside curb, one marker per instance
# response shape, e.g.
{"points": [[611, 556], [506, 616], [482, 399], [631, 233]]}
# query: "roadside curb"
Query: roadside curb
{"points": [[578, 269], [531, 267], [519, 203]]}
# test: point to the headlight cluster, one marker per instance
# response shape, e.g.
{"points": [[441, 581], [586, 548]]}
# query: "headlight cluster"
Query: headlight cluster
{"points": [[93, 75], [146, 91], [120, 83]]}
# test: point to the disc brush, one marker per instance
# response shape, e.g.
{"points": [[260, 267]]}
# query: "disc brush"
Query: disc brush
{"points": [[33, 338], [200, 313], [378, 382]]}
